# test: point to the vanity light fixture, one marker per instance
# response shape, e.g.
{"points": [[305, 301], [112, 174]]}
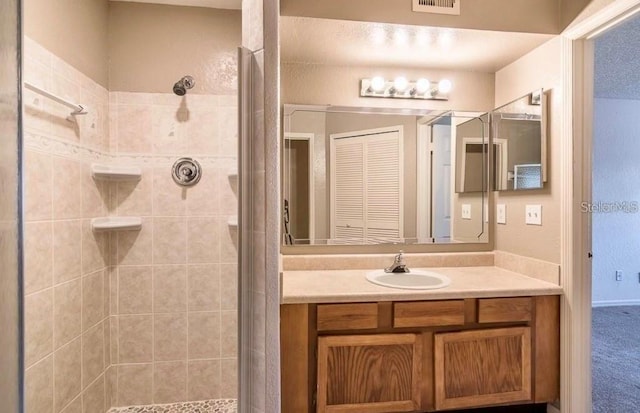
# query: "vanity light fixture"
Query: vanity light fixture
{"points": [[402, 88]]}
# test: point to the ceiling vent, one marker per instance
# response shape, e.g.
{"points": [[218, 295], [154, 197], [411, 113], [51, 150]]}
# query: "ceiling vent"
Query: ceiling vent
{"points": [[437, 6]]}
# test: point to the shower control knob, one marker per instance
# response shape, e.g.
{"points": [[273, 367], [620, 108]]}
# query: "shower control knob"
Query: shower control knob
{"points": [[186, 172]]}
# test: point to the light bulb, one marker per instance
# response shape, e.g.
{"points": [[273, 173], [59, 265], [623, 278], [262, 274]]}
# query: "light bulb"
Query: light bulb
{"points": [[422, 86], [444, 86], [400, 84], [378, 83]]}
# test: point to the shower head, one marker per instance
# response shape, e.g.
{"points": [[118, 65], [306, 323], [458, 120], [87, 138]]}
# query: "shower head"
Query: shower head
{"points": [[181, 86]]}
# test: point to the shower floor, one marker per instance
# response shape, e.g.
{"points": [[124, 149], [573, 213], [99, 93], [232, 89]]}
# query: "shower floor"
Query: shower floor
{"points": [[206, 406]]}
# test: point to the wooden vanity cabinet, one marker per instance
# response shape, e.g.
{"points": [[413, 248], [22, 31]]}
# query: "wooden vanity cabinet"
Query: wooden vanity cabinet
{"points": [[419, 356]]}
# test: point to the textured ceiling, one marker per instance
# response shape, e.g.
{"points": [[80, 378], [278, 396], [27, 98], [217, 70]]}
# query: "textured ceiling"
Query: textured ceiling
{"points": [[341, 42], [215, 4], [617, 62]]}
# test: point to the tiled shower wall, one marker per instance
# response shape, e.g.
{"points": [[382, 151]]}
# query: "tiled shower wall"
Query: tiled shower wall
{"points": [[131, 317], [66, 312], [174, 283]]}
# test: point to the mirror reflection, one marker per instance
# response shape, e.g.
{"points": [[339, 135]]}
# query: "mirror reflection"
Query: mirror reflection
{"points": [[376, 176], [519, 143]]}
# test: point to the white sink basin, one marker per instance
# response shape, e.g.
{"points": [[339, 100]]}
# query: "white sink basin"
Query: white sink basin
{"points": [[414, 280]]}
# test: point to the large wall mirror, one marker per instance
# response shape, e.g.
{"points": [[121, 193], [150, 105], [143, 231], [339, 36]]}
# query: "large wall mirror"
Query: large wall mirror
{"points": [[360, 170], [357, 176]]}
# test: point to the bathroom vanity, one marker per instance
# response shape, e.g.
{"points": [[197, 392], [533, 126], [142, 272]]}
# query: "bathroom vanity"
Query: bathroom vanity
{"points": [[490, 338]]}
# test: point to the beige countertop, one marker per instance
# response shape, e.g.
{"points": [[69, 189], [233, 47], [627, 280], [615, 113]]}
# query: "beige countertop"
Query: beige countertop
{"points": [[335, 286]]}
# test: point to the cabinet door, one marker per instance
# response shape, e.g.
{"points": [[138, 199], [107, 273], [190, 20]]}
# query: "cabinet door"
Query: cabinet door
{"points": [[482, 367], [369, 373]]}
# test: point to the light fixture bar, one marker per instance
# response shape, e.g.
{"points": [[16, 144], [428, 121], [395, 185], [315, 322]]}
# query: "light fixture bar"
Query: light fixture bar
{"points": [[420, 89]]}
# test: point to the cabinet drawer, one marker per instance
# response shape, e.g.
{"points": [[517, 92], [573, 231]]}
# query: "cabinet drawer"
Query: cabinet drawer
{"points": [[501, 310], [428, 313], [347, 316]]}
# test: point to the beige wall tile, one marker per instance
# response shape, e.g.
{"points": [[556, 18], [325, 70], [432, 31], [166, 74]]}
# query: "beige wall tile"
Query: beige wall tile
{"points": [[67, 237], [170, 382], [135, 198], [134, 127], [229, 334], [115, 335], [134, 289], [169, 199], [92, 354], [106, 333], [228, 195], [229, 286], [38, 326], [229, 379], [169, 288], [202, 131], [112, 273], [135, 384], [74, 407], [67, 374], [170, 337], [202, 199], [67, 320], [228, 242], [168, 128], [92, 299], [204, 335], [111, 386], [38, 186], [134, 247], [228, 131], [93, 398], [204, 287], [38, 256], [94, 248], [135, 339], [39, 387], [203, 380], [106, 292], [170, 241], [204, 240], [67, 175], [93, 201]]}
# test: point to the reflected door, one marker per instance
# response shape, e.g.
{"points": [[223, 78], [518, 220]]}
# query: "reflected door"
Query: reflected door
{"points": [[441, 182]]}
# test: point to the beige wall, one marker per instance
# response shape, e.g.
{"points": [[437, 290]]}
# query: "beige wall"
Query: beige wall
{"points": [[538, 16], [340, 85], [153, 46], [539, 68], [75, 31]]}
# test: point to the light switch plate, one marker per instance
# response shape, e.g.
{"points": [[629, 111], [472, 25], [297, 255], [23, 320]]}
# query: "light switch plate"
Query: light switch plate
{"points": [[533, 215], [501, 214], [466, 211]]}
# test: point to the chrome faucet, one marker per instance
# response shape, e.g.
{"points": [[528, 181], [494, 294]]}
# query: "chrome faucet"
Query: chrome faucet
{"points": [[398, 264]]}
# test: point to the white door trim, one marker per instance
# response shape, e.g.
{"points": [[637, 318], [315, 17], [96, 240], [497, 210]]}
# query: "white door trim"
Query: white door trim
{"points": [[423, 181], [295, 136], [575, 170]]}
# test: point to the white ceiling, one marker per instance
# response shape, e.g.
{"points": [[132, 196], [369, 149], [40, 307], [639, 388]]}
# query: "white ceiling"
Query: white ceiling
{"points": [[215, 4], [340, 42], [617, 62]]}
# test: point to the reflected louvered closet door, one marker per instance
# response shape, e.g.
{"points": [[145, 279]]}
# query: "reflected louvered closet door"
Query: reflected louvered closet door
{"points": [[383, 190], [367, 187]]}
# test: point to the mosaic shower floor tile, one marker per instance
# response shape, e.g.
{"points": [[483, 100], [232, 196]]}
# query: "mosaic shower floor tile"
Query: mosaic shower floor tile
{"points": [[206, 406]]}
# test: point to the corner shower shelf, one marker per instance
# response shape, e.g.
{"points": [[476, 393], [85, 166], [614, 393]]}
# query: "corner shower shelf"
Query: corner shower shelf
{"points": [[116, 173], [116, 223], [233, 221]]}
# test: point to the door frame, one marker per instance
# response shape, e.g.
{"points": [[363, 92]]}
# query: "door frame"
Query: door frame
{"points": [[307, 136], [575, 170]]}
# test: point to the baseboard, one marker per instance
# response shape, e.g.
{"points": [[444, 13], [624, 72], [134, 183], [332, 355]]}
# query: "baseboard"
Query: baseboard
{"points": [[614, 303]]}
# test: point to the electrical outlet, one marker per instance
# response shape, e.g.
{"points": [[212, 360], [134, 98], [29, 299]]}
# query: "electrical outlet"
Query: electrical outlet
{"points": [[466, 211], [618, 275], [533, 215], [501, 214]]}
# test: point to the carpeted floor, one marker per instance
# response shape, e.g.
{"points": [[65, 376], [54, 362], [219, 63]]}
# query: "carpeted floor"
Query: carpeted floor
{"points": [[616, 359]]}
